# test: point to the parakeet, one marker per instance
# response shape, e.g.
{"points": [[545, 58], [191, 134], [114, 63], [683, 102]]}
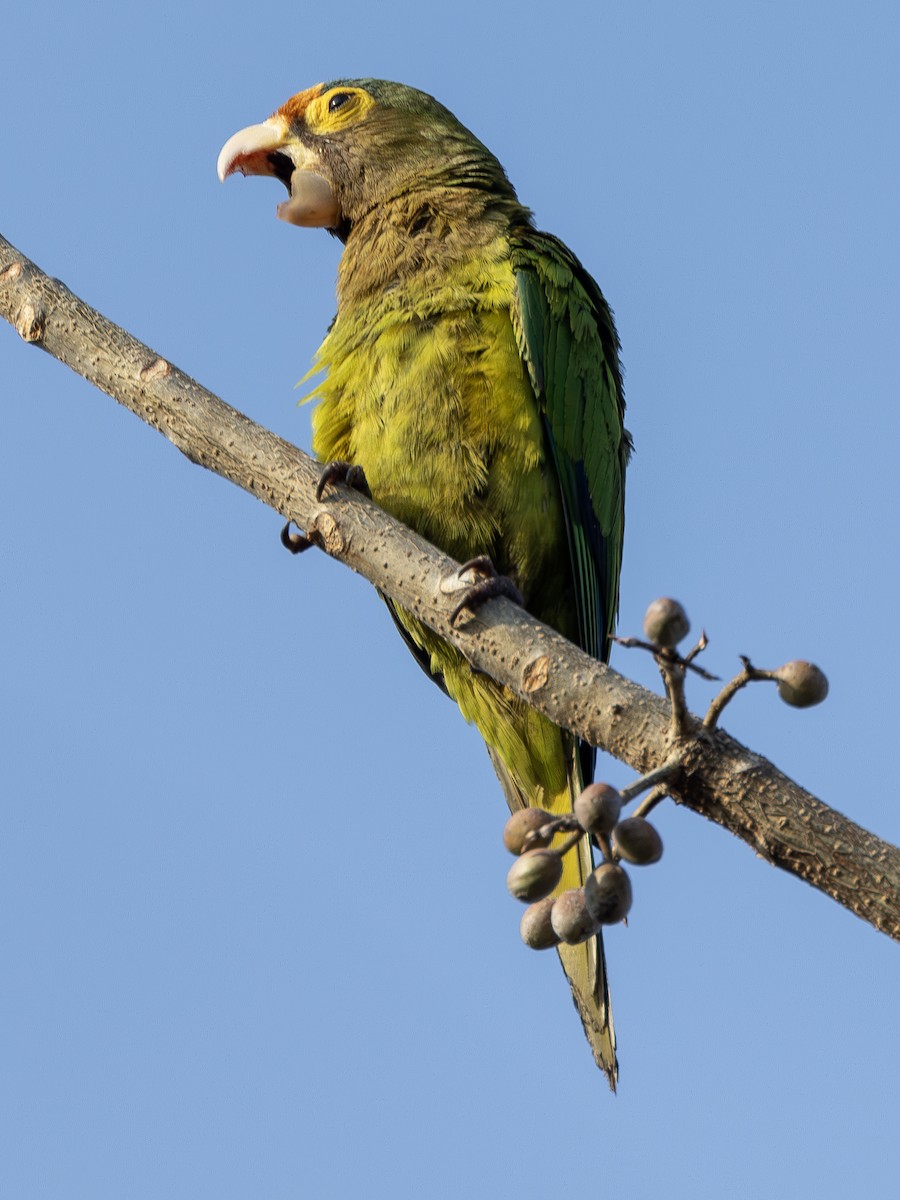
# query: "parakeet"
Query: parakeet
{"points": [[472, 372]]}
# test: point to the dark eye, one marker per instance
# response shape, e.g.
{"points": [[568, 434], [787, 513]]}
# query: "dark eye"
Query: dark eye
{"points": [[338, 100]]}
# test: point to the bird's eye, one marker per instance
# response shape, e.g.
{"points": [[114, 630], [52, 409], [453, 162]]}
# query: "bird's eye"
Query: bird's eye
{"points": [[338, 100]]}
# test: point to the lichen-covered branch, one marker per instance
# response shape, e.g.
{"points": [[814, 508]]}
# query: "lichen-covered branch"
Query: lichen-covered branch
{"points": [[719, 778]]}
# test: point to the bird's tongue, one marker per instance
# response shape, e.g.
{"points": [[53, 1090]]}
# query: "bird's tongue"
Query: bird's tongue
{"points": [[311, 203]]}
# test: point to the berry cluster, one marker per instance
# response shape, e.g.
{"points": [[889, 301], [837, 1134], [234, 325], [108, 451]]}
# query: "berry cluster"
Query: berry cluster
{"points": [[577, 914]]}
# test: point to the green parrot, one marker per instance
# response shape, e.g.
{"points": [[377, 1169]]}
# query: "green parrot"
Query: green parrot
{"points": [[472, 373]]}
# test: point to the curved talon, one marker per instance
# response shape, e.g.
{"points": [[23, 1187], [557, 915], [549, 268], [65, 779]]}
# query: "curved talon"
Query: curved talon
{"points": [[482, 565], [488, 589], [349, 474], [296, 543]]}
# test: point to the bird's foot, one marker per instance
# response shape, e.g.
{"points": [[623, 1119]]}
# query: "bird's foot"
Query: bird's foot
{"points": [[349, 474], [489, 583], [333, 472]]}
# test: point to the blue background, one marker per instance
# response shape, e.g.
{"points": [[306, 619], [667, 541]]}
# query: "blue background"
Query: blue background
{"points": [[254, 934]]}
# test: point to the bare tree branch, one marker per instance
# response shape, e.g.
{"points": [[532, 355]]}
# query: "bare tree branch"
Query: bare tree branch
{"points": [[719, 778]]}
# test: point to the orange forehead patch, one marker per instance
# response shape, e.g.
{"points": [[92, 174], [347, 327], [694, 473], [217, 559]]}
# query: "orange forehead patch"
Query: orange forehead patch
{"points": [[294, 109]]}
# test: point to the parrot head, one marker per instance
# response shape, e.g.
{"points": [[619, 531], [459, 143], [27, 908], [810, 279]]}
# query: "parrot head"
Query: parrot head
{"points": [[345, 147]]}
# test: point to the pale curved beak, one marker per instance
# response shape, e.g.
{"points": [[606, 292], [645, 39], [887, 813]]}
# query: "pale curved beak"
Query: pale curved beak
{"points": [[247, 151], [270, 149]]}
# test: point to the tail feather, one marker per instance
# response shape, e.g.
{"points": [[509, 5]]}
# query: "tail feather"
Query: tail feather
{"points": [[539, 765]]}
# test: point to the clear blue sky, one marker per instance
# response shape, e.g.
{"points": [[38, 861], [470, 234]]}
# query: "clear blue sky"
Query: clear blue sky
{"points": [[255, 939]]}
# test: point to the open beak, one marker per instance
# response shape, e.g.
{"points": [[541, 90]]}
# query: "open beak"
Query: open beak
{"points": [[271, 149]]}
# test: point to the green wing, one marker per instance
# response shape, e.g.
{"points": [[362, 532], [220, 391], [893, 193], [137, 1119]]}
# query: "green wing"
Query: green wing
{"points": [[568, 340]]}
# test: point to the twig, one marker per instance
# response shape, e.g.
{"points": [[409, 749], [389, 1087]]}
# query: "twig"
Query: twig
{"points": [[662, 774], [570, 843], [647, 805], [749, 674], [633, 643], [702, 643], [671, 667]]}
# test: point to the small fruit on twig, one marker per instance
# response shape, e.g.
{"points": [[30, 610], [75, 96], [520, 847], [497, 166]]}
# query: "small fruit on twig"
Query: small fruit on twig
{"points": [[637, 841], [534, 875], [597, 808], [571, 919], [520, 831], [536, 928], [801, 684], [666, 622], [607, 892]]}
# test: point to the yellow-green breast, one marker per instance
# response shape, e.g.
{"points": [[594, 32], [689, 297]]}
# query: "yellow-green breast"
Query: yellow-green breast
{"points": [[425, 389]]}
